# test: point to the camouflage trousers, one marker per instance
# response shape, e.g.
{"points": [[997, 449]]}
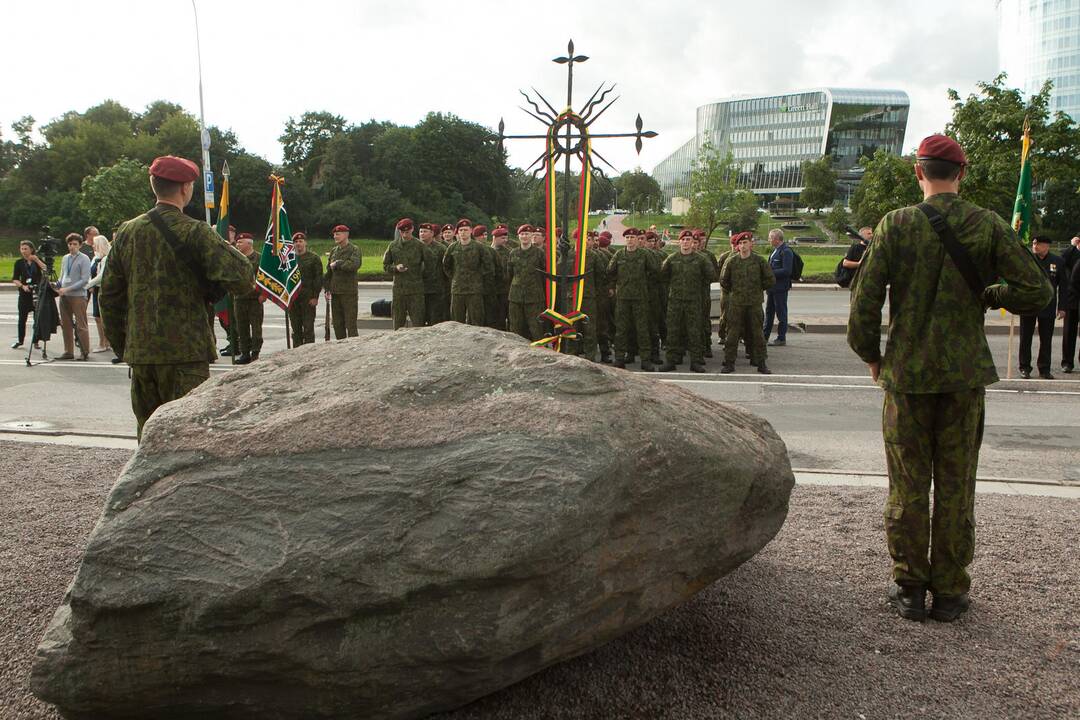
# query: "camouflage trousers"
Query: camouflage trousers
{"points": [[408, 307], [683, 321], [154, 385], [302, 321], [631, 323], [603, 321], [932, 439], [587, 344], [467, 308], [495, 309], [436, 309], [249, 322], [744, 321], [705, 323], [343, 313], [525, 319]]}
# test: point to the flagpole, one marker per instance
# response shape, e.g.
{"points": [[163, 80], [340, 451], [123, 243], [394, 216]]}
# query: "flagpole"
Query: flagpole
{"points": [[204, 136]]}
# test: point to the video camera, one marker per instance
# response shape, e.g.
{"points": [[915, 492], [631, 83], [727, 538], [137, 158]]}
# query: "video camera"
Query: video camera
{"points": [[49, 247]]}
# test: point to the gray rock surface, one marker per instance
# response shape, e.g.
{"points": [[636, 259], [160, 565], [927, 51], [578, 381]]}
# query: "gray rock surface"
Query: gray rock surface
{"points": [[398, 524]]}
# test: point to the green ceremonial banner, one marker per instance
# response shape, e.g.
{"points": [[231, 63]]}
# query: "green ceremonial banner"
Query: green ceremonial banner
{"points": [[1021, 219], [279, 271]]}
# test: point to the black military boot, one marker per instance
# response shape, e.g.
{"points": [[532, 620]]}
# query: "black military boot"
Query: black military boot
{"points": [[605, 357], [908, 600], [619, 363], [254, 355], [697, 367], [226, 351], [242, 359], [647, 366], [727, 368], [947, 608], [764, 370], [668, 367], [708, 352]]}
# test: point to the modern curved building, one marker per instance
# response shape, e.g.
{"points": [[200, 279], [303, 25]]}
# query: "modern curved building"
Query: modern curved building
{"points": [[1039, 40], [770, 136]]}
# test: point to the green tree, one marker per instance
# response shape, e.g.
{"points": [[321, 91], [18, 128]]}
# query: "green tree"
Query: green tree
{"points": [[304, 141], [116, 193], [838, 219], [639, 191], [743, 214], [819, 184], [712, 188], [989, 126], [888, 183]]}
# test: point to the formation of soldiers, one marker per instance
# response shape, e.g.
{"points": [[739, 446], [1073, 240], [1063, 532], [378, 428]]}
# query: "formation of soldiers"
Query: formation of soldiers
{"points": [[646, 300]]}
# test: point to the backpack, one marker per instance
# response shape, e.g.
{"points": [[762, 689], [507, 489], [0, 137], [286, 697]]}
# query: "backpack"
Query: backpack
{"points": [[843, 275], [796, 267]]}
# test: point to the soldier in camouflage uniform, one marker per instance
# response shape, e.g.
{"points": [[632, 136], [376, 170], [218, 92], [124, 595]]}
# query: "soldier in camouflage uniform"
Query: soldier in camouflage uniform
{"points": [[151, 301], [526, 286], [706, 291], [631, 269], [500, 301], [935, 371], [684, 273], [306, 300], [745, 277], [436, 306], [595, 283], [341, 266], [404, 260], [657, 295], [720, 260], [466, 263], [248, 308], [605, 306]]}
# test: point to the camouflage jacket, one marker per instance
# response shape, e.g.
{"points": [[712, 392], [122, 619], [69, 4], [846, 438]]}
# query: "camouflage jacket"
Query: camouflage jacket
{"points": [[342, 279], [526, 280], [686, 275], [936, 342], [434, 278], [467, 266], [502, 271], [631, 271], [595, 275], [152, 310], [746, 279], [311, 277], [491, 268], [252, 294], [410, 253]]}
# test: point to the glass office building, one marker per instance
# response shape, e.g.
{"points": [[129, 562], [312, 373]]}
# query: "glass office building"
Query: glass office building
{"points": [[1039, 40], [770, 136]]}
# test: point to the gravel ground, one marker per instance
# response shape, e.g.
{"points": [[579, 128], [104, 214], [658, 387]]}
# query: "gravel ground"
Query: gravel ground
{"points": [[801, 630]]}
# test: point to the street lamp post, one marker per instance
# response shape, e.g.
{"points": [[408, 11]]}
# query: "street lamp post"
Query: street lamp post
{"points": [[204, 136]]}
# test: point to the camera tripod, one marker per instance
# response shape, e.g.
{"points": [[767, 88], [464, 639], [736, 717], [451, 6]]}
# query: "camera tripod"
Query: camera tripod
{"points": [[42, 300]]}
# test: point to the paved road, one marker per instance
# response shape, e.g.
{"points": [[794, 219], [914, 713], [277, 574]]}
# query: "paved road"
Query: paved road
{"points": [[820, 401]]}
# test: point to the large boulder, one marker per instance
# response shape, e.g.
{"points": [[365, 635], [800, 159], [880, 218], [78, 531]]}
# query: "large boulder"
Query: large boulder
{"points": [[397, 524]]}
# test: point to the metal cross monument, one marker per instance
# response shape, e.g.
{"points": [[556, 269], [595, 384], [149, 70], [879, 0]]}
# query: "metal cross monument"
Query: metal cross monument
{"points": [[568, 136]]}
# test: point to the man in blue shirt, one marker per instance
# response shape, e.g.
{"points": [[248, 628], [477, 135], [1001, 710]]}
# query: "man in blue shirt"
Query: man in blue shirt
{"points": [[74, 274], [782, 262]]}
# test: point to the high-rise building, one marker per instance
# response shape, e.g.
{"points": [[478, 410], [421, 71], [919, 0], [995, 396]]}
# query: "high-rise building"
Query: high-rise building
{"points": [[770, 136], [1039, 40]]}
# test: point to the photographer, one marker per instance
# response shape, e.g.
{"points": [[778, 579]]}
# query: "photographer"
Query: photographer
{"points": [[72, 291], [26, 277]]}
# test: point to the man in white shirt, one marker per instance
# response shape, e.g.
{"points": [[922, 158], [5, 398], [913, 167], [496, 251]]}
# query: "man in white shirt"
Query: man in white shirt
{"points": [[74, 274]]}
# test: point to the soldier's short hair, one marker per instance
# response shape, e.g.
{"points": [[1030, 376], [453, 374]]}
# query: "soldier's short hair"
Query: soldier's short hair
{"points": [[163, 187], [935, 169]]}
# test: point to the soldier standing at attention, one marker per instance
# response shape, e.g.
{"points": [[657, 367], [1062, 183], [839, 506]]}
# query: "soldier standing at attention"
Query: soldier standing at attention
{"points": [[595, 283], [631, 269], [702, 243], [248, 307], [606, 305], [720, 260], [464, 265], [306, 300], [345, 259], [404, 260], [526, 286], [434, 279], [153, 302], [684, 273], [745, 277], [500, 308], [934, 371], [1053, 267]]}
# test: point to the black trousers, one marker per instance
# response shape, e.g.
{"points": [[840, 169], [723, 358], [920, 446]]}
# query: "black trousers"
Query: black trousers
{"points": [[26, 306], [1045, 322], [1068, 338]]}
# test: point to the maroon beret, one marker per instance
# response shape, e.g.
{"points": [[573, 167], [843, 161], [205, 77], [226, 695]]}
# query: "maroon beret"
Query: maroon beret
{"points": [[479, 230], [686, 231], [605, 239], [650, 235], [941, 147], [446, 227], [525, 229], [340, 228], [540, 229], [464, 222], [576, 234], [605, 234], [297, 235], [500, 231], [502, 226], [170, 167], [629, 231], [558, 231], [698, 233], [245, 236], [404, 224], [739, 237]]}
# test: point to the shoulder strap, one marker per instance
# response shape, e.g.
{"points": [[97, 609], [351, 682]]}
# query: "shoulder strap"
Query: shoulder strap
{"points": [[959, 254], [173, 240]]}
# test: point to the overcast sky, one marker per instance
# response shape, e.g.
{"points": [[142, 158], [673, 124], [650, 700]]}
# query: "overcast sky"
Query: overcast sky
{"points": [[268, 60]]}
